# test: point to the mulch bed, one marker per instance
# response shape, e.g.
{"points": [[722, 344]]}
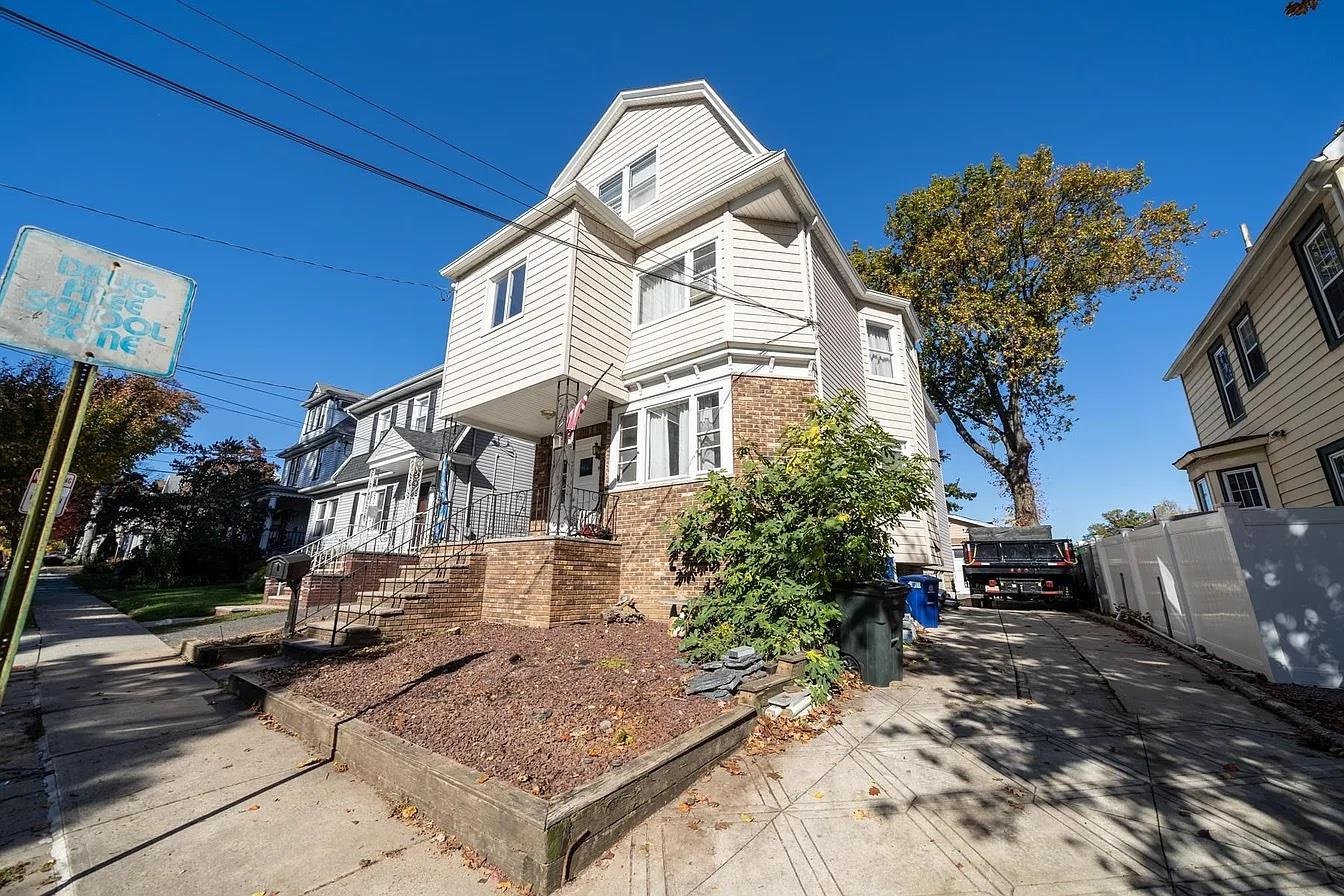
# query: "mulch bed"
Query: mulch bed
{"points": [[544, 709], [1325, 705]]}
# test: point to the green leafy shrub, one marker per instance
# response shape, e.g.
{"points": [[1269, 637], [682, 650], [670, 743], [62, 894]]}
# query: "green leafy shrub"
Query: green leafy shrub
{"points": [[774, 542], [822, 671], [257, 581]]}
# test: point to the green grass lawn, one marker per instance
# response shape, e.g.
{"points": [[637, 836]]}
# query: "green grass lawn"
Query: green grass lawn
{"points": [[148, 604]]}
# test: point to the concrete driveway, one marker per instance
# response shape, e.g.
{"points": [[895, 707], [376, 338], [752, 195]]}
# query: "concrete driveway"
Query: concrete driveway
{"points": [[1027, 753]]}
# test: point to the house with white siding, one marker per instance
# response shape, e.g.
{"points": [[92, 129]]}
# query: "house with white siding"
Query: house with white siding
{"points": [[1263, 371], [681, 275], [325, 440], [404, 465]]}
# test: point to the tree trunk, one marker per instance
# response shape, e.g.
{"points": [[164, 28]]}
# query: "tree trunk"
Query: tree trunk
{"points": [[1023, 492]]}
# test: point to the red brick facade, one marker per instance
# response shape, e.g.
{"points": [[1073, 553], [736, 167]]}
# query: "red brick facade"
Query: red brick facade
{"points": [[547, 581], [763, 406], [352, 573]]}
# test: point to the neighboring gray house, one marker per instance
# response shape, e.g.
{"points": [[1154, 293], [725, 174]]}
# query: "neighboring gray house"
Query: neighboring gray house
{"points": [[324, 443], [384, 493]]}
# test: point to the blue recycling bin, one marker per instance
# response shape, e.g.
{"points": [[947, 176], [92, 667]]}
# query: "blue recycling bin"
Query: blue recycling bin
{"points": [[922, 602]]}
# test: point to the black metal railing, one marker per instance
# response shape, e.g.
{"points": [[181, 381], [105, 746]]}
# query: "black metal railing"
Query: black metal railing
{"points": [[280, 540], [531, 512]]}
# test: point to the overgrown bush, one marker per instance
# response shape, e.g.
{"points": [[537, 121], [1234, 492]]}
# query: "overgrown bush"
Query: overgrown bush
{"points": [[774, 542]]}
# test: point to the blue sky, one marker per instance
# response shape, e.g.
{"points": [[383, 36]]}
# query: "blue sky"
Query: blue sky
{"points": [[1221, 101]]}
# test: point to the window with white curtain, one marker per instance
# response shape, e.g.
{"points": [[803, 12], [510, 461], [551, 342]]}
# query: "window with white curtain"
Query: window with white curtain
{"points": [[708, 433], [669, 440], [664, 291], [879, 352]]}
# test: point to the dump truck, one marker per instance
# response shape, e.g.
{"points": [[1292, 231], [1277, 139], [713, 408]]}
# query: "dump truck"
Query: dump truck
{"points": [[1005, 564]]}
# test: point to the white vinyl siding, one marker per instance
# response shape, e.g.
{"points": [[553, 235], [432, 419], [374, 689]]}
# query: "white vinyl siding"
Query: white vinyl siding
{"points": [[600, 319], [1304, 394], [697, 328], [840, 337], [695, 153], [484, 362], [767, 267]]}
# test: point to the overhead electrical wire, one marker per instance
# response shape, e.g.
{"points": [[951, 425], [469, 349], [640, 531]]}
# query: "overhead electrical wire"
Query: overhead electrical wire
{"points": [[131, 68], [643, 247], [235, 376], [210, 239]]}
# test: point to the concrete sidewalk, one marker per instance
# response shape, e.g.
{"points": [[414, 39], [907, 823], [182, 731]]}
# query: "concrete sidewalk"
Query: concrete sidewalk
{"points": [[164, 784]]}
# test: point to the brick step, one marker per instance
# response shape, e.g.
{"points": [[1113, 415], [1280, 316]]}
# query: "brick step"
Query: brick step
{"points": [[371, 609], [352, 634], [391, 594]]}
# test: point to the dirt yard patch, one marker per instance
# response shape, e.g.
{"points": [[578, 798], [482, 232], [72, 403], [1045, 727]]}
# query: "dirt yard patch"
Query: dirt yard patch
{"points": [[544, 709]]}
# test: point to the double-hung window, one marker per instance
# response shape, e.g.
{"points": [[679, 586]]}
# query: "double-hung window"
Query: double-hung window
{"points": [[325, 521], [665, 290], [381, 424], [380, 507], [879, 352], [1226, 382], [633, 187], [1249, 350], [420, 414], [671, 440], [627, 447], [507, 291], [1204, 494], [1322, 267], [1242, 487], [1332, 459]]}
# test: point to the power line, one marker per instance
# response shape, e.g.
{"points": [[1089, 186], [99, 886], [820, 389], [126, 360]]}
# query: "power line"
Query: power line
{"points": [[234, 376], [256, 412], [643, 247], [226, 382], [131, 68], [363, 99], [219, 242]]}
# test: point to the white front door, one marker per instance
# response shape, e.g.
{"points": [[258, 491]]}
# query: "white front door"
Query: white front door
{"points": [[581, 500], [587, 466]]}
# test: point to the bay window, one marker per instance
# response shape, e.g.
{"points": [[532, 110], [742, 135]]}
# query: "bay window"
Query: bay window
{"points": [[675, 439]]}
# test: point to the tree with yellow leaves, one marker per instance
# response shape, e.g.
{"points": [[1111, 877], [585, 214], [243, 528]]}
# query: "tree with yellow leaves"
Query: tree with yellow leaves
{"points": [[1000, 262]]}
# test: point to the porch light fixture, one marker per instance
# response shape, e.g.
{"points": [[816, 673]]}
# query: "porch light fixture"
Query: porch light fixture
{"points": [[548, 413]]}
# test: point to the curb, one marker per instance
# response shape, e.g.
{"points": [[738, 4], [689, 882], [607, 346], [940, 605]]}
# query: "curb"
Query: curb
{"points": [[1322, 738]]}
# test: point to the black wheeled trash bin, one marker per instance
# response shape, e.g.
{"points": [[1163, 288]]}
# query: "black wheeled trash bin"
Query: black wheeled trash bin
{"points": [[870, 629]]}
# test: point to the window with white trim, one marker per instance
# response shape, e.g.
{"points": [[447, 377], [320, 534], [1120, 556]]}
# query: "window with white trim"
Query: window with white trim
{"points": [[1226, 382], [1249, 350], [1332, 461], [380, 507], [356, 518], [1322, 267], [880, 363], [1335, 462], [324, 518], [381, 425], [507, 291], [1242, 487], [420, 414], [672, 440], [633, 187], [708, 433], [627, 447], [664, 291], [1204, 494]]}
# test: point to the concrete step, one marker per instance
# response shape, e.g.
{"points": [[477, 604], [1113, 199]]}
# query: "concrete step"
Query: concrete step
{"points": [[311, 648], [348, 634]]}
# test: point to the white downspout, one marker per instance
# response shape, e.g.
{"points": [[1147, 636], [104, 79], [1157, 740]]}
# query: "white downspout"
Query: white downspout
{"points": [[809, 272]]}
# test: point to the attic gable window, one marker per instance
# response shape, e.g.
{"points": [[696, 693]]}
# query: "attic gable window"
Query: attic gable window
{"points": [[664, 291], [507, 290], [633, 187]]}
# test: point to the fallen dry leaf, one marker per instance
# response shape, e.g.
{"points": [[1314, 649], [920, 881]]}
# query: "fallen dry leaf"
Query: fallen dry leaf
{"points": [[874, 791], [819, 794], [722, 825], [693, 825], [683, 808], [409, 811], [746, 819], [860, 815], [773, 776], [732, 765], [253, 808], [307, 762], [482, 779]]}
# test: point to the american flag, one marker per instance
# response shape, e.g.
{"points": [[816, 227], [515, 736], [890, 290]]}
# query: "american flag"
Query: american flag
{"points": [[572, 418]]}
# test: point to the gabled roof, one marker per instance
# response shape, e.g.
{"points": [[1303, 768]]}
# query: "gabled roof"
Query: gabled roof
{"points": [[654, 96], [409, 386], [1270, 242], [321, 390]]}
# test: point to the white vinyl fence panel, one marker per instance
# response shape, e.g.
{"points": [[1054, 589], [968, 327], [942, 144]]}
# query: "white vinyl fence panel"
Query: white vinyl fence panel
{"points": [[1261, 588]]}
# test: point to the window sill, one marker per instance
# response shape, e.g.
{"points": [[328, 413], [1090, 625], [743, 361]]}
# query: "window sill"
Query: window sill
{"points": [[661, 483]]}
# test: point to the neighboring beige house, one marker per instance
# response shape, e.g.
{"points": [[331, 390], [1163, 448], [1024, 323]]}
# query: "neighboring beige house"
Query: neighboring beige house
{"points": [[684, 274], [1264, 372], [959, 525]]}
